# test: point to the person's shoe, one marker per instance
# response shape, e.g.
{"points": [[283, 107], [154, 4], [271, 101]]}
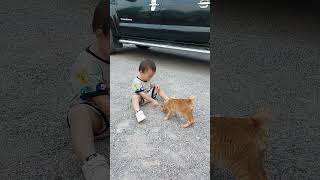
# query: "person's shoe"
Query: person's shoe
{"points": [[96, 168], [140, 116]]}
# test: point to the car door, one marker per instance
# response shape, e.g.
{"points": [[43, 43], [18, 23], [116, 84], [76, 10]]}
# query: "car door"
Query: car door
{"points": [[139, 18], [186, 21]]}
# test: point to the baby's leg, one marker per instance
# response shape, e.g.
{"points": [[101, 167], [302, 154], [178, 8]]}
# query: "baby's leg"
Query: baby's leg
{"points": [[161, 93], [83, 122], [135, 102]]}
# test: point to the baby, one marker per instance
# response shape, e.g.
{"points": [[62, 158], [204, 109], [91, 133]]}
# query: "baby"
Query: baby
{"points": [[144, 91]]}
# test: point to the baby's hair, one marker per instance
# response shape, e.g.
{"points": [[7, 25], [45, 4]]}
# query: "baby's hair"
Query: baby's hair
{"points": [[147, 64], [101, 17]]}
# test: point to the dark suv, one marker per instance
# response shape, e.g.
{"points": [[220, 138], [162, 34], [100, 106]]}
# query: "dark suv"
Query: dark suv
{"points": [[173, 24]]}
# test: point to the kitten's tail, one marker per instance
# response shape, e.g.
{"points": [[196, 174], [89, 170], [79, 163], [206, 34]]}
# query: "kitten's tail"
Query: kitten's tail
{"points": [[191, 97], [262, 118]]}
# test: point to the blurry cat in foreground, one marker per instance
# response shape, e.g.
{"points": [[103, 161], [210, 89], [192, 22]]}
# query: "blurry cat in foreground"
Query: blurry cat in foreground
{"points": [[238, 144], [182, 107]]}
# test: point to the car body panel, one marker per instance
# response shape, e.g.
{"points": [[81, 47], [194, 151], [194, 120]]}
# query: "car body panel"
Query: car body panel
{"points": [[136, 19], [180, 22], [185, 21]]}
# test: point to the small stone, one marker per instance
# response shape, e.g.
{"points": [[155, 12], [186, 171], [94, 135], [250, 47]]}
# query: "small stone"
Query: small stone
{"points": [[121, 130]]}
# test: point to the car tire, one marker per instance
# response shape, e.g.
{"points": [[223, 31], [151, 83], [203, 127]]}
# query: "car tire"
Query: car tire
{"points": [[115, 45], [143, 47]]}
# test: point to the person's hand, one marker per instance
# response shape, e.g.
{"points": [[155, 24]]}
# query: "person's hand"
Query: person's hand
{"points": [[155, 103]]}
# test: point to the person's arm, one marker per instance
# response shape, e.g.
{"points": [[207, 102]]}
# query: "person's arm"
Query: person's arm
{"points": [[148, 98], [103, 103]]}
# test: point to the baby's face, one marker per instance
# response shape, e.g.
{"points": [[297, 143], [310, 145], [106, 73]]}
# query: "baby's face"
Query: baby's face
{"points": [[147, 75]]}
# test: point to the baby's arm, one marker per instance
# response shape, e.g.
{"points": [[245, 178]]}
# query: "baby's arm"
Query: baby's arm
{"points": [[148, 98], [157, 86], [103, 103]]}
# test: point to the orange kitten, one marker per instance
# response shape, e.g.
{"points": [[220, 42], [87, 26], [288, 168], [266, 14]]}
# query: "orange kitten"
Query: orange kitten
{"points": [[183, 107], [239, 143]]}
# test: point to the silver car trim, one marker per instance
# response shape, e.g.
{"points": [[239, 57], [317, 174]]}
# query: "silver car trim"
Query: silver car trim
{"points": [[125, 19], [164, 46]]}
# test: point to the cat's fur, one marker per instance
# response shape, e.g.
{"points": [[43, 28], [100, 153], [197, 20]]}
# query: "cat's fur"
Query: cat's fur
{"points": [[182, 107], [239, 144]]}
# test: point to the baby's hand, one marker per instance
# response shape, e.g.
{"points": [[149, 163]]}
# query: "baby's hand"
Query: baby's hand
{"points": [[155, 103], [157, 86]]}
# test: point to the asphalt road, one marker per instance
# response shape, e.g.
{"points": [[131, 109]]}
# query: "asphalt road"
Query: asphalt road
{"points": [[269, 56], [39, 42], [158, 149]]}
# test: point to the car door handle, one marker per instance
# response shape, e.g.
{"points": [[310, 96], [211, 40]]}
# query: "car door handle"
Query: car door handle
{"points": [[204, 3], [153, 4]]}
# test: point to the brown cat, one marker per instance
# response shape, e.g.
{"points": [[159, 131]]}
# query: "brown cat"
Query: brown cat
{"points": [[183, 107], [238, 144]]}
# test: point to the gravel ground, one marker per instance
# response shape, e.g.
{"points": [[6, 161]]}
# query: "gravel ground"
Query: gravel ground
{"points": [[271, 57], [254, 62], [158, 149], [39, 41]]}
